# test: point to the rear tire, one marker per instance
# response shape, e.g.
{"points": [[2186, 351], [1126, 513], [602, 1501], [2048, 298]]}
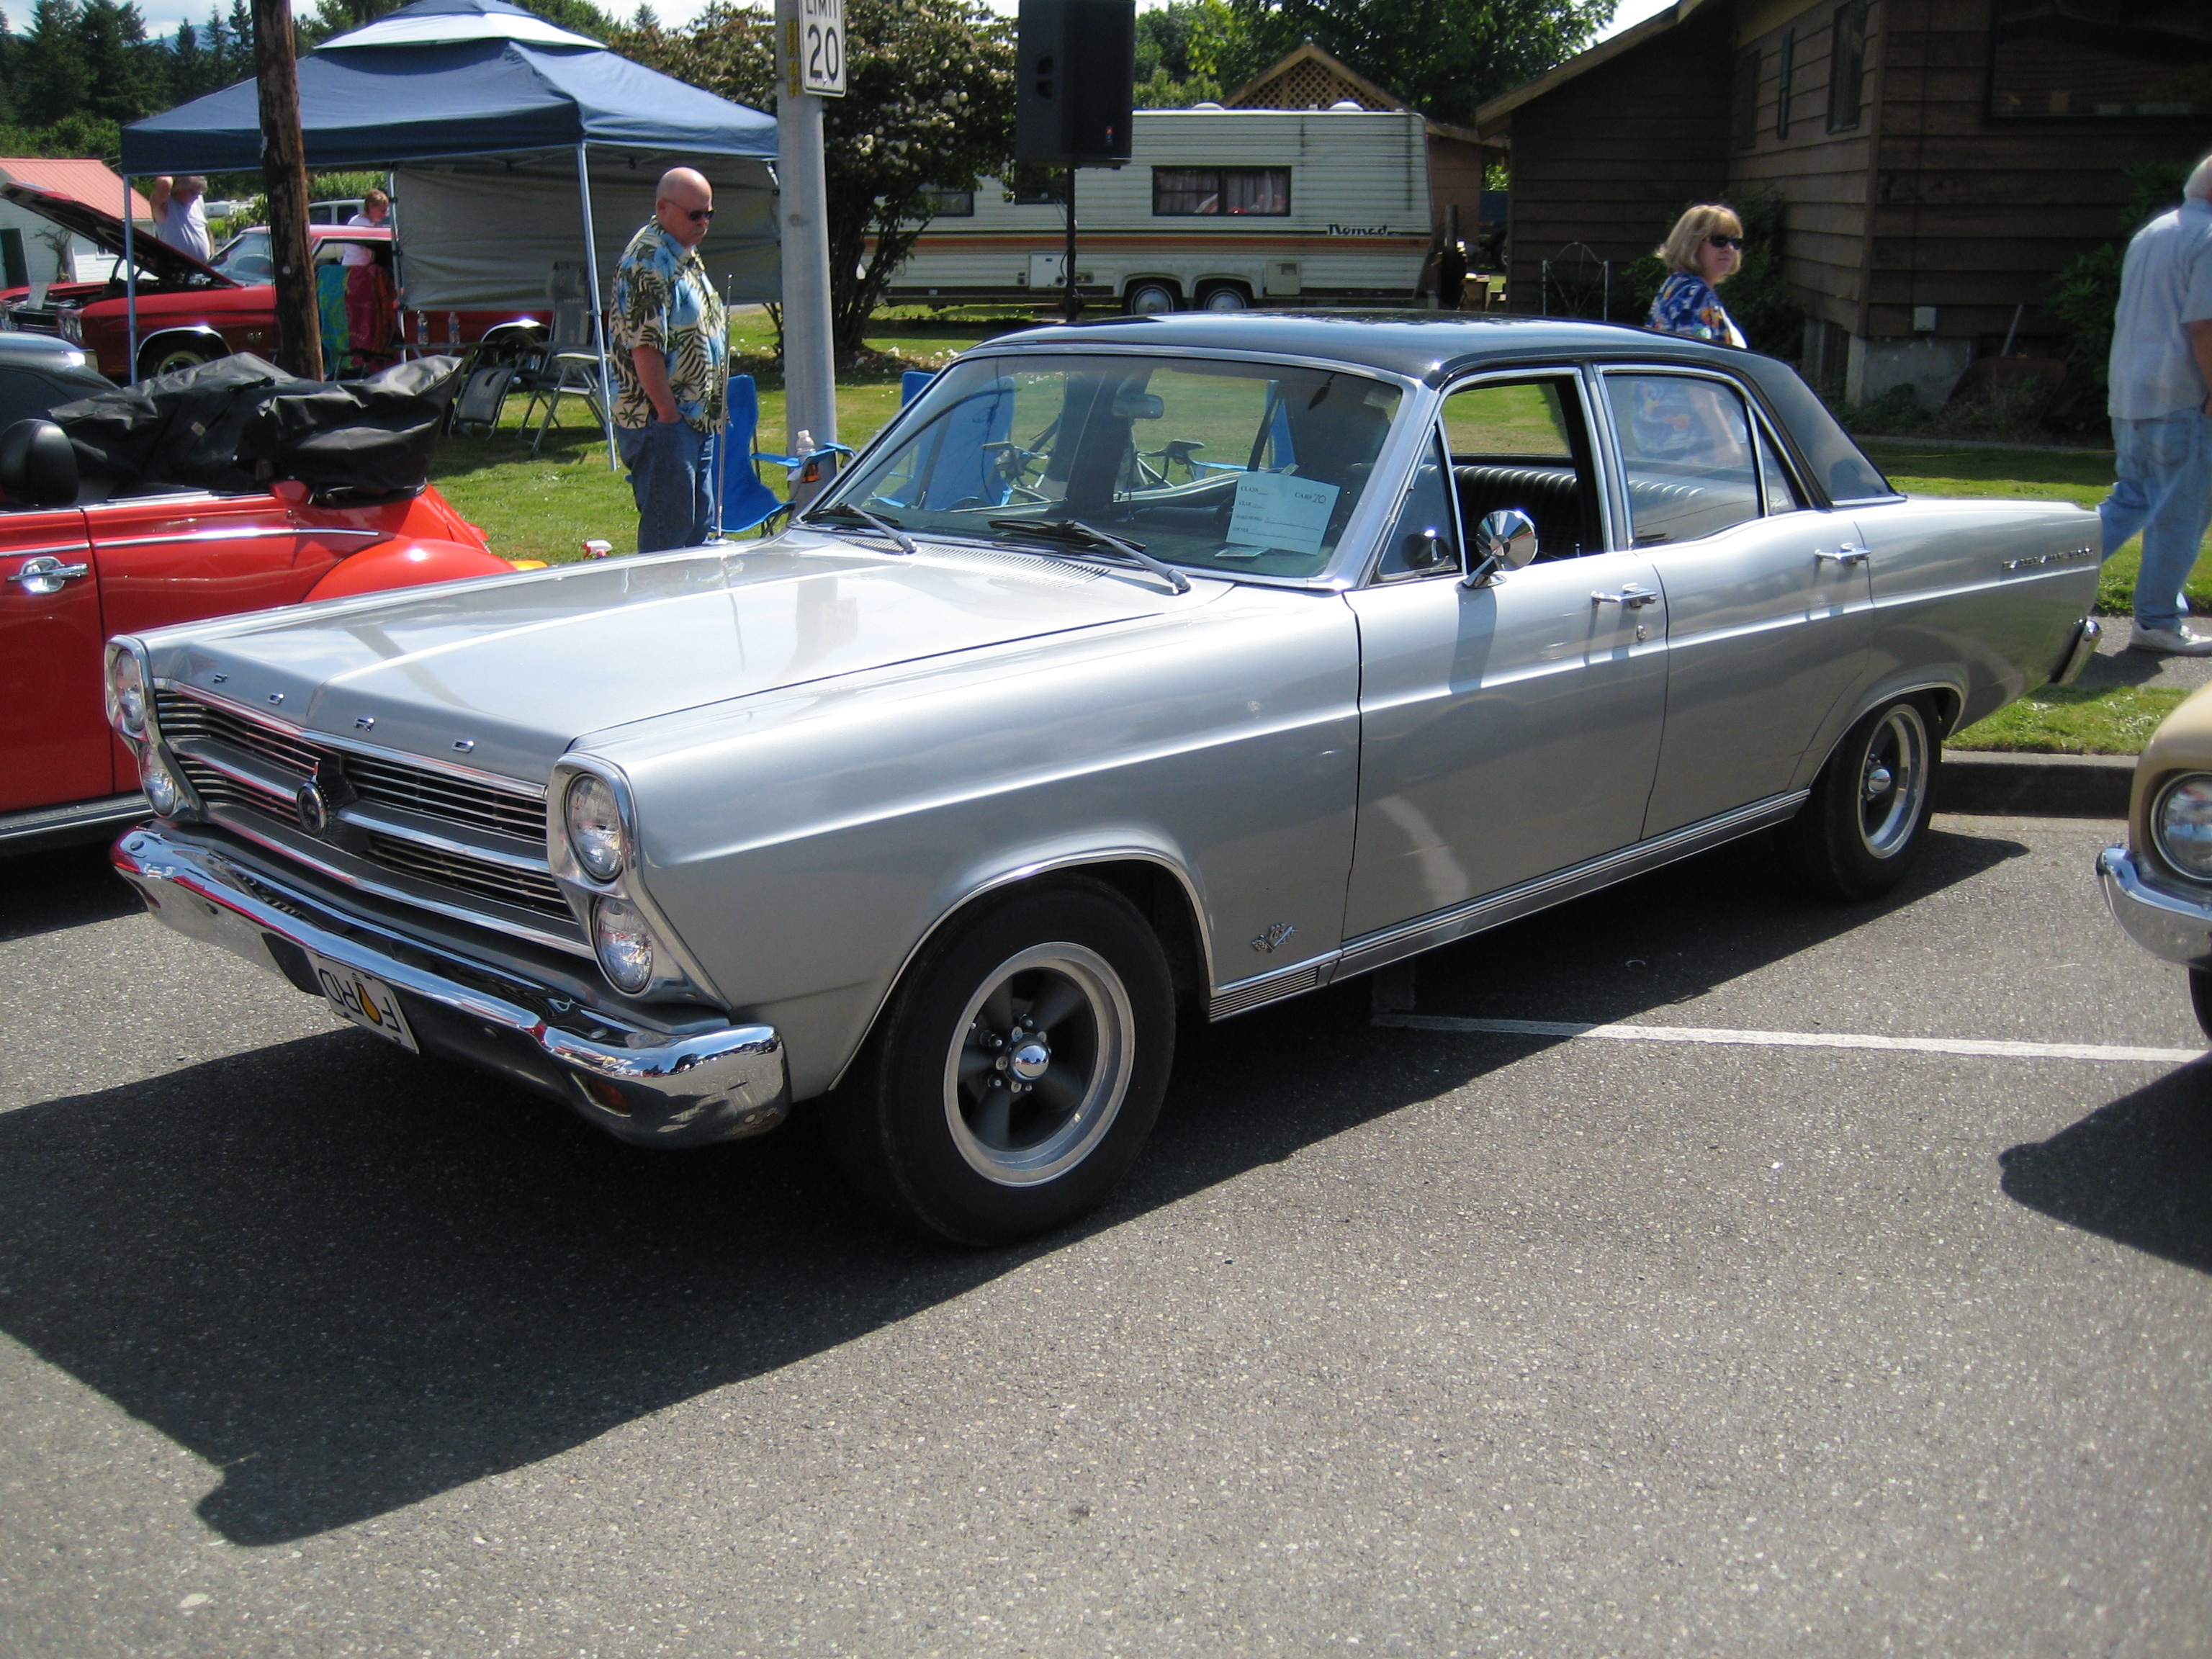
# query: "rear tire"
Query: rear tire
{"points": [[1224, 297], [1862, 829], [1020, 1068]]}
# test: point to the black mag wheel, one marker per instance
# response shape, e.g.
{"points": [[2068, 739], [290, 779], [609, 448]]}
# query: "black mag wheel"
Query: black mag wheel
{"points": [[1020, 1070], [1861, 830], [165, 359]]}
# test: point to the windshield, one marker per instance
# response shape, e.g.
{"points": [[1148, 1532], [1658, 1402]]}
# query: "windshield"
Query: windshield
{"points": [[1236, 467], [245, 259]]}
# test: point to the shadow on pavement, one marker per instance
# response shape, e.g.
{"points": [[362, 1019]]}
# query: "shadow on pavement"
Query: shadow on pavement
{"points": [[352, 1280], [68, 887], [2139, 1171]]}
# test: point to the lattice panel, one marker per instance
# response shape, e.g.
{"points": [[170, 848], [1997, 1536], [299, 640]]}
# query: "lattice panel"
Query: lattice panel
{"points": [[1305, 86]]}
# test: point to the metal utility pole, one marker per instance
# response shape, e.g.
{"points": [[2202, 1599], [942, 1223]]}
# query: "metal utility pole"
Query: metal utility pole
{"points": [[284, 175], [811, 44]]}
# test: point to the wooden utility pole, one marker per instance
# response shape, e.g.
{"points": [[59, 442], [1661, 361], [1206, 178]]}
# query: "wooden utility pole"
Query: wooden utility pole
{"points": [[284, 175]]}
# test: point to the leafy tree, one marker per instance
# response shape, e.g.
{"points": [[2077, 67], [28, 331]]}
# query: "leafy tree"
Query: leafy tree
{"points": [[1166, 36], [124, 80], [929, 104], [52, 78], [1443, 56]]}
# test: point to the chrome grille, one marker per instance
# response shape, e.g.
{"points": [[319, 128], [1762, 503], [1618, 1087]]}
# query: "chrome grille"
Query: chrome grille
{"points": [[516, 815], [526, 888], [437, 795], [185, 717]]}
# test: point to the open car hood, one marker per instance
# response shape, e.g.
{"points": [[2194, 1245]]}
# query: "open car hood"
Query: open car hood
{"points": [[105, 231]]}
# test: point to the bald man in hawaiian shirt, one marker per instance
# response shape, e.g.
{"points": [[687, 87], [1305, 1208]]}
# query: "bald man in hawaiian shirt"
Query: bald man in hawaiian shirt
{"points": [[671, 347]]}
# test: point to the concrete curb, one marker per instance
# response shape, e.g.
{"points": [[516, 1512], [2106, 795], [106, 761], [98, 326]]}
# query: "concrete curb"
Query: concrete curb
{"points": [[2034, 786]]}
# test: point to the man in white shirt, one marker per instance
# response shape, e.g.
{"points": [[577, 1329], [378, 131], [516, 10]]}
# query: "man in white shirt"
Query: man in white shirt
{"points": [[179, 219], [2161, 410]]}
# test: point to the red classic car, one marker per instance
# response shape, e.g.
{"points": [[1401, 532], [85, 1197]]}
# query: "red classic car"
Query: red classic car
{"points": [[190, 313], [80, 561]]}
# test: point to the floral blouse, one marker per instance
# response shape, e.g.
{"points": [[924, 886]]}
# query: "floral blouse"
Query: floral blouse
{"points": [[663, 298], [1687, 305]]}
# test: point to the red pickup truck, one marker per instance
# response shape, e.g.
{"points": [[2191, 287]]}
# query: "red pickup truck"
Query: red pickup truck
{"points": [[190, 313]]}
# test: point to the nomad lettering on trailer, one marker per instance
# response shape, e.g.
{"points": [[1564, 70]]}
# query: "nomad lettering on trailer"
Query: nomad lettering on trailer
{"points": [[1359, 230]]}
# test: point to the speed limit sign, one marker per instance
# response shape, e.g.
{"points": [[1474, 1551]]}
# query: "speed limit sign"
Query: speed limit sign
{"points": [[820, 48]]}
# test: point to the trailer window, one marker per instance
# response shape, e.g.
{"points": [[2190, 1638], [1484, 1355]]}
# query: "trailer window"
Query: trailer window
{"points": [[1236, 467], [1187, 193]]}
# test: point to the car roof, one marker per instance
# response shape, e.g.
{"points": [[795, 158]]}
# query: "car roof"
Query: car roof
{"points": [[39, 352], [1421, 346]]}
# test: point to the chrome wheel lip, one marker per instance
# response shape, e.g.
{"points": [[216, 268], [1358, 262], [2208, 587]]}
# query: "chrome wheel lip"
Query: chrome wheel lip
{"points": [[1113, 1060], [1886, 813]]}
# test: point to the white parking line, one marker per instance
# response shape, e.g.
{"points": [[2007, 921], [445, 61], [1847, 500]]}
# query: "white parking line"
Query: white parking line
{"points": [[1616, 1033]]}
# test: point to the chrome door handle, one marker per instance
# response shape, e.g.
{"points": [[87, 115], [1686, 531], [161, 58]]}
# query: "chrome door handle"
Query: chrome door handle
{"points": [[1845, 554], [1630, 598], [44, 575]]}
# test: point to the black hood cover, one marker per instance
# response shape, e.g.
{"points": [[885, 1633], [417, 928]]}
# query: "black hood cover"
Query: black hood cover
{"points": [[239, 423]]}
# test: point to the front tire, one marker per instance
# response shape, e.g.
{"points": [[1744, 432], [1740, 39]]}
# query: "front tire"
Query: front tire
{"points": [[1020, 1069], [2200, 997], [1862, 829], [167, 359]]}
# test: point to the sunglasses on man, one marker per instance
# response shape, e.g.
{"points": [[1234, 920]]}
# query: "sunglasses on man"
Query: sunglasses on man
{"points": [[1724, 241], [696, 215]]}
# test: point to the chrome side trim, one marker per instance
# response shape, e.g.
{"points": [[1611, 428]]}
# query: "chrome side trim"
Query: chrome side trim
{"points": [[1030, 871], [36, 827], [2077, 656], [48, 547], [1386, 945], [684, 1087], [2173, 927], [256, 532], [1248, 995]]}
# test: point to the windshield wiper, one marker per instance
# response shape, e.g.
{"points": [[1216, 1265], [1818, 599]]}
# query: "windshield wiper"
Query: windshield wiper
{"points": [[1074, 530], [818, 515]]}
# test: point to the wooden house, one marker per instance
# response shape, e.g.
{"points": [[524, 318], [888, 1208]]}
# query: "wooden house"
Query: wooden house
{"points": [[1941, 159]]}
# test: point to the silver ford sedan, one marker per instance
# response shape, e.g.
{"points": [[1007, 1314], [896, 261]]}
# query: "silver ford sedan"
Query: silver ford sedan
{"points": [[1136, 676]]}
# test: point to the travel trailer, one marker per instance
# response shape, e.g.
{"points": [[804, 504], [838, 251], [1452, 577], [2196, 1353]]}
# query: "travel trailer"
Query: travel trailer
{"points": [[1218, 210]]}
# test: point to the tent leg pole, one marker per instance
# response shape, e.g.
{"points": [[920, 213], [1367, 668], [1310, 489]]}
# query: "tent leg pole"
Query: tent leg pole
{"points": [[130, 282], [599, 317]]}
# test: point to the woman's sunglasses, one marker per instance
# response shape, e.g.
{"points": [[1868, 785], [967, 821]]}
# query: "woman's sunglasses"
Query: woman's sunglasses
{"points": [[1724, 241]]}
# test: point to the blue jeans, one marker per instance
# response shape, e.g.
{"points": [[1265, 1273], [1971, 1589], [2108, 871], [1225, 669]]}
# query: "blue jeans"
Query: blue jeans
{"points": [[2163, 488], [672, 475]]}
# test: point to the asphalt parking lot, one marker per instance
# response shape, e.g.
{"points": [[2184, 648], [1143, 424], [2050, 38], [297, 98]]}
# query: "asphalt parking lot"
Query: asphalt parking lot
{"points": [[1405, 1338]]}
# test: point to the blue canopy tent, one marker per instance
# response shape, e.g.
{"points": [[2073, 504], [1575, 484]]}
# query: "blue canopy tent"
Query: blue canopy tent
{"points": [[490, 107]]}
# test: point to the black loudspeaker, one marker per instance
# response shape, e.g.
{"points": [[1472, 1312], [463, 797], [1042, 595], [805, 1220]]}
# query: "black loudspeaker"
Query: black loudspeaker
{"points": [[1078, 76]]}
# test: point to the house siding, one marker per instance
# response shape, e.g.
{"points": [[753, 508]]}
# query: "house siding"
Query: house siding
{"points": [[1610, 158]]}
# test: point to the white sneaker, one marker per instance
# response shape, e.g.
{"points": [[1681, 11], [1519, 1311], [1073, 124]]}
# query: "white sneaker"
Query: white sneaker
{"points": [[2171, 642]]}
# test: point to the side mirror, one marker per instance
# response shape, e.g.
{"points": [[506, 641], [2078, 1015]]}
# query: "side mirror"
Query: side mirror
{"points": [[1505, 540], [38, 464]]}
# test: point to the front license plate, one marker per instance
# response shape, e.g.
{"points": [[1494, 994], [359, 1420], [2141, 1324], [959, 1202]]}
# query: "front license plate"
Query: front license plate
{"points": [[366, 1001]]}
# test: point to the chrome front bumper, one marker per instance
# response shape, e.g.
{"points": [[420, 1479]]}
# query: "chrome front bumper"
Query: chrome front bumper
{"points": [[2175, 925], [2087, 632], [690, 1086]]}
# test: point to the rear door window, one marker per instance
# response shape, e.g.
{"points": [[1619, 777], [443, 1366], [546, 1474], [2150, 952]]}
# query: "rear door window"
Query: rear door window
{"points": [[1689, 465], [1525, 444]]}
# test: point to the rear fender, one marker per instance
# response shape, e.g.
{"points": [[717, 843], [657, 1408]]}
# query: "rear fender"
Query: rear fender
{"points": [[408, 563]]}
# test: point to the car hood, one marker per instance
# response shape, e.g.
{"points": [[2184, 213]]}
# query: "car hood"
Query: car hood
{"points": [[504, 674], [105, 231]]}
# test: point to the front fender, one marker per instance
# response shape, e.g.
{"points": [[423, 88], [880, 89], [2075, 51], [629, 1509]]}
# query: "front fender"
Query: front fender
{"points": [[410, 563]]}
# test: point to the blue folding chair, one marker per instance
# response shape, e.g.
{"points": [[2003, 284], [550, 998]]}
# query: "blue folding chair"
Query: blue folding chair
{"points": [[742, 501], [963, 458]]}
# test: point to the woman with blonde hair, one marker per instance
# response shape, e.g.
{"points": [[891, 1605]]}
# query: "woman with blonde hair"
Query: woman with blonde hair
{"points": [[1701, 252]]}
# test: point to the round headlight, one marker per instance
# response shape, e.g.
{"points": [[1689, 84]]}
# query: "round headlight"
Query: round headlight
{"points": [[126, 694], [162, 793], [2182, 824], [595, 827], [624, 946]]}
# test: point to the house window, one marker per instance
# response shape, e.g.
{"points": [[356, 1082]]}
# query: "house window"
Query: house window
{"points": [[2097, 60], [1785, 77], [1745, 100], [1847, 66], [1183, 192], [948, 203]]}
